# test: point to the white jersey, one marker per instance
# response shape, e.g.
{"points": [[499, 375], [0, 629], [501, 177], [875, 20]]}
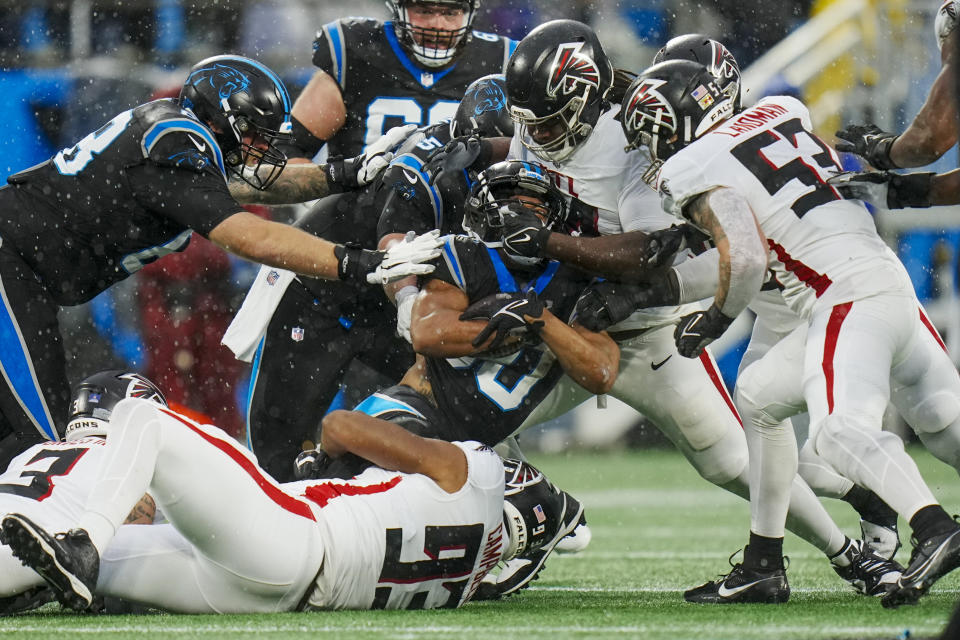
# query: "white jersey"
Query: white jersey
{"points": [[601, 174], [946, 20], [398, 541], [50, 482], [823, 249]]}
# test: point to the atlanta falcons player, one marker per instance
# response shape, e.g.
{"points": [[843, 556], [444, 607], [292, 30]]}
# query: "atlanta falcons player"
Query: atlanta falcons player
{"points": [[756, 182]]}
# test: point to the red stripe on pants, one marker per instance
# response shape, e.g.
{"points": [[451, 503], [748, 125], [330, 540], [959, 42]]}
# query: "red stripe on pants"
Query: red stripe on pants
{"points": [[707, 362], [933, 330], [837, 316], [272, 491]]}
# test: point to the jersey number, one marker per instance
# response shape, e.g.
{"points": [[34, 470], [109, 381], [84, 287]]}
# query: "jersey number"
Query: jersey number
{"points": [[37, 484], [452, 552], [386, 113], [70, 162], [811, 164]]}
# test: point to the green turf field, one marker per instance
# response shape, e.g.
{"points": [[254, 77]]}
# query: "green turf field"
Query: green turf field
{"points": [[658, 529]]}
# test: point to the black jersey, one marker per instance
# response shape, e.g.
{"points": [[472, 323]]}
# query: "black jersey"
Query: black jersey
{"points": [[384, 87], [125, 195], [401, 200], [490, 399]]}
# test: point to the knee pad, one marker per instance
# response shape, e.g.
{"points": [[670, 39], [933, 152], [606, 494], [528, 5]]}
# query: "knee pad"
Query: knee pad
{"points": [[722, 462], [935, 413], [841, 437]]}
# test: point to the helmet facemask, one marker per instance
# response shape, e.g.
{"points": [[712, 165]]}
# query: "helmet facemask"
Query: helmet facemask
{"points": [[255, 155], [568, 128], [433, 47]]}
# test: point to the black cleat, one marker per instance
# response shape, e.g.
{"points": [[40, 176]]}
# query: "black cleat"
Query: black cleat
{"points": [[27, 601], [931, 560], [868, 573], [743, 585], [67, 561]]}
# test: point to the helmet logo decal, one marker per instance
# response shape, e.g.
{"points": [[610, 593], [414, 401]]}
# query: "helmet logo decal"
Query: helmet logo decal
{"points": [[647, 103], [571, 68], [488, 97], [724, 64], [225, 79], [139, 387]]}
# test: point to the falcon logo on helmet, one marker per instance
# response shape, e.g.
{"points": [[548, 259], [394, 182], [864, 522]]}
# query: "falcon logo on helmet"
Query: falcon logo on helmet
{"points": [[571, 68], [646, 103], [724, 64]]}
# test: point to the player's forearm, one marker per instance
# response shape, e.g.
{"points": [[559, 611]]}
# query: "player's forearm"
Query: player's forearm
{"points": [[611, 256], [945, 188], [299, 182], [591, 359], [934, 130], [442, 334]]}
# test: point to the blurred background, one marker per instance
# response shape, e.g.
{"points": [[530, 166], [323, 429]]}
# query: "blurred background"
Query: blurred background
{"points": [[66, 67]]}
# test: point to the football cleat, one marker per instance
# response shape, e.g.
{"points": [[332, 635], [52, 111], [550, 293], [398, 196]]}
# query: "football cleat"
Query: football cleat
{"points": [[576, 541], [868, 573], [517, 573], [67, 561], [931, 559], [27, 601], [743, 585], [883, 541]]}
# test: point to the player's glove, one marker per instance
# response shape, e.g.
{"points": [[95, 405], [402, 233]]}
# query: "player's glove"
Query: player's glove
{"points": [[523, 232], [456, 155], [310, 464], [407, 258], [885, 189], [344, 174], [604, 304], [505, 313], [663, 244], [869, 142], [695, 331]]}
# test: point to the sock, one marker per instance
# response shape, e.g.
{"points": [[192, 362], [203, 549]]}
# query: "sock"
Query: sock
{"points": [[871, 507], [931, 521], [763, 553], [840, 558]]}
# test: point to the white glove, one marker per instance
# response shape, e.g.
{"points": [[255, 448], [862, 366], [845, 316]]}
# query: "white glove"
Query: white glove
{"points": [[405, 299], [406, 258], [379, 154]]}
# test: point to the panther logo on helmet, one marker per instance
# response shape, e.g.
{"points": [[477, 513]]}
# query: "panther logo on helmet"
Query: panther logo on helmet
{"points": [[647, 103], [225, 79], [488, 97], [571, 68]]}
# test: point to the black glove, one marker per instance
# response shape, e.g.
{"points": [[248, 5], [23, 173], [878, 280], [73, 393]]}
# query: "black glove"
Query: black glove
{"points": [[504, 313], [663, 244], [869, 142], [695, 331], [524, 234], [604, 304], [310, 463], [885, 189], [456, 155], [342, 173], [354, 263]]}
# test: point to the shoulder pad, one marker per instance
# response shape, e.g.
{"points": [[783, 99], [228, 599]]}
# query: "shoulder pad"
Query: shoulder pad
{"points": [[341, 37], [182, 141]]}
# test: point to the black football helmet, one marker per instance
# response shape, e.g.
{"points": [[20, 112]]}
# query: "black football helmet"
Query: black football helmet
{"points": [[494, 195], [433, 47], [670, 105], [533, 509], [240, 97], [483, 109], [557, 81], [96, 396], [711, 54]]}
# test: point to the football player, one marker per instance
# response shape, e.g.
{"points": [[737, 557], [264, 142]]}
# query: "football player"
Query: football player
{"points": [[50, 481], [419, 531], [319, 331], [934, 129], [134, 191], [756, 182], [558, 83], [374, 75]]}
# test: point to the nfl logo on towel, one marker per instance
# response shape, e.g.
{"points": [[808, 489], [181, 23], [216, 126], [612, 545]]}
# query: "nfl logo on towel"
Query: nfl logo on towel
{"points": [[296, 334], [272, 278]]}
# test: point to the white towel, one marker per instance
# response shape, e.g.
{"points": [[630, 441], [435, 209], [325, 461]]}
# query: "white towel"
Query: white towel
{"points": [[250, 324]]}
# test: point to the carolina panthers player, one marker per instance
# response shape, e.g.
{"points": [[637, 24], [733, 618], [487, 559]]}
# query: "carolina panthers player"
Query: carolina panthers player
{"points": [[757, 181], [336, 343], [934, 129], [134, 191], [418, 532], [374, 75]]}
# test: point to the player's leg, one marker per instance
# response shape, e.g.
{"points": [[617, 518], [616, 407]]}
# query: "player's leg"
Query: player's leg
{"points": [[213, 492], [34, 393]]}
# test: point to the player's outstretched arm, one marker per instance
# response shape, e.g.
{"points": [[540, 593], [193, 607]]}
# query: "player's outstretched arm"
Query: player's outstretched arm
{"points": [[435, 324], [392, 447]]}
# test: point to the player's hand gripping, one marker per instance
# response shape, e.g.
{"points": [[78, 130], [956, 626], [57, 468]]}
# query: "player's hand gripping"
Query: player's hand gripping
{"points": [[695, 331], [456, 155], [505, 313], [344, 174], [869, 142], [310, 464], [524, 233], [410, 257], [885, 189], [604, 304]]}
